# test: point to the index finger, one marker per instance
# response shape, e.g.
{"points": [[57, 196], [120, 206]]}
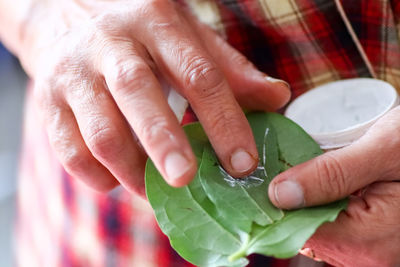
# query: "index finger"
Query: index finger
{"points": [[180, 55]]}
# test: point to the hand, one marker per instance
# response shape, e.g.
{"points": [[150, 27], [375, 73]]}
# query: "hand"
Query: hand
{"points": [[368, 233], [96, 88]]}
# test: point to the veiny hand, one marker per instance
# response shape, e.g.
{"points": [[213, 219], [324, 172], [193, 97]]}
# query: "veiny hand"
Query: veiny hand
{"points": [[368, 233], [97, 88]]}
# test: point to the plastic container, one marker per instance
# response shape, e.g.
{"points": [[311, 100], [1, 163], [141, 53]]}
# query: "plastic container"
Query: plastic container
{"points": [[338, 113]]}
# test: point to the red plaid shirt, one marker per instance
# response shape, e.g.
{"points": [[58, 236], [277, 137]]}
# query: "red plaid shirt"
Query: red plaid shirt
{"points": [[61, 222]]}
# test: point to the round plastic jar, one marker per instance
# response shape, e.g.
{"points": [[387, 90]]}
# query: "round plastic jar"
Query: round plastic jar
{"points": [[338, 113]]}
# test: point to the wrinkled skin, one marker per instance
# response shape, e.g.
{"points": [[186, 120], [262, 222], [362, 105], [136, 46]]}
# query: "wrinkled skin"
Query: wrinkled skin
{"points": [[368, 233], [96, 83], [95, 65]]}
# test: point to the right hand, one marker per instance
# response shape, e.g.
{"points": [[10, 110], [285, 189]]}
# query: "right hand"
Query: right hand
{"points": [[97, 82]]}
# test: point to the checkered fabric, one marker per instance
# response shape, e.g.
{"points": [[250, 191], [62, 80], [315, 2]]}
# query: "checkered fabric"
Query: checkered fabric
{"points": [[61, 222]]}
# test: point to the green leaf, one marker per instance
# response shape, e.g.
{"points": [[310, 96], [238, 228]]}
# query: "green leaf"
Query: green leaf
{"points": [[217, 220], [244, 200], [284, 238], [188, 217]]}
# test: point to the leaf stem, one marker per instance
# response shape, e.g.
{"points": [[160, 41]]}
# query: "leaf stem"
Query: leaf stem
{"points": [[237, 255], [241, 252]]}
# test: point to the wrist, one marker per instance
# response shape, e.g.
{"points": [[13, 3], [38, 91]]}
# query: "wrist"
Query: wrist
{"points": [[43, 24], [32, 25]]}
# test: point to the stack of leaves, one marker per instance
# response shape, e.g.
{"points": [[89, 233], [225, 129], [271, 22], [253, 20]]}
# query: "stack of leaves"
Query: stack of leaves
{"points": [[218, 220]]}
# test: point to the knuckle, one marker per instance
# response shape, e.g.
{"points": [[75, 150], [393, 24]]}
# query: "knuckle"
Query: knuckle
{"points": [[159, 15], [71, 71], [331, 175], [50, 84], [105, 143], [66, 79], [128, 76], [154, 129], [108, 25], [75, 161], [165, 27], [202, 77]]}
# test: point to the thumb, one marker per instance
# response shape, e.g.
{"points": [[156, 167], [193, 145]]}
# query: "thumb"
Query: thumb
{"points": [[329, 177]]}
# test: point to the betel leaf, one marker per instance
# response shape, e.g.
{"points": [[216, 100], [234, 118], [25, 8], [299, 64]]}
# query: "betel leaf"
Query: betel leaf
{"points": [[218, 220], [188, 217]]}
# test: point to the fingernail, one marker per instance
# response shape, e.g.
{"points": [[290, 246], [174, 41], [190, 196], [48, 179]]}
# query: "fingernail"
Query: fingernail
{"points": [[175, 165], [274, 80], [289, 195], [242, 161]]}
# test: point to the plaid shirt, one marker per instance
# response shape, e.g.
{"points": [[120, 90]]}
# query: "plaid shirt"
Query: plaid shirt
{"points": [[61, 222]]}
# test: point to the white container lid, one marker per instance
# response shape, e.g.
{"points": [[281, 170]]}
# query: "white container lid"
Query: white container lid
{"points": [[338, 113]]}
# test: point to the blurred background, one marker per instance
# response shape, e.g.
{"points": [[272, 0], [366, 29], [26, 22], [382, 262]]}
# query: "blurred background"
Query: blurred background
{"points": [[12, 90]]}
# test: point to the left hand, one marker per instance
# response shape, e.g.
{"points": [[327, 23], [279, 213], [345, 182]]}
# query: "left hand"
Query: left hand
{"points": [[368, 233]]}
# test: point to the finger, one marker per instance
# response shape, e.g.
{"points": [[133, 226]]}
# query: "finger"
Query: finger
{"points": [[140, 98], [107, 134], [253, 89], [197, 76], [69, 147], [331, 176]]}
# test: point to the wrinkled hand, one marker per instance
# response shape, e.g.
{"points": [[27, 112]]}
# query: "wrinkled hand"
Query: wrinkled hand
{"points": [[104, 110], [368, 233]]}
